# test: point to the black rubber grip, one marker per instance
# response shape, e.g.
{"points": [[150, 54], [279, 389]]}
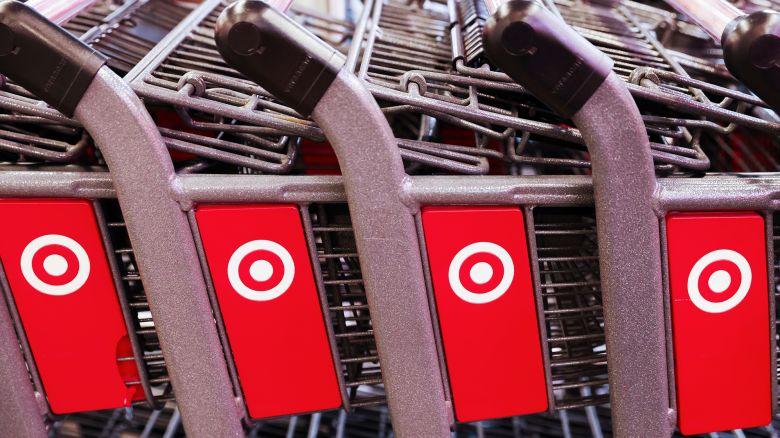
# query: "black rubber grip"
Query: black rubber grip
{"points": [[44, 58], [543, 54], [278, 54], [751, 50]]}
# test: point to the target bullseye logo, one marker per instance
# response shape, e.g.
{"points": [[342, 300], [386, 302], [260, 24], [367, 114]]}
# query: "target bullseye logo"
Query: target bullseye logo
{"points": [[55, 265], [719, 281], [261, 270], [481, 272]]}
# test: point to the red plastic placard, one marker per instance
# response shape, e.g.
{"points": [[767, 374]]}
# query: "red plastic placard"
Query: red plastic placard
{"points": [[720, 320], [259, 262], [61, 283], [487, 312]]}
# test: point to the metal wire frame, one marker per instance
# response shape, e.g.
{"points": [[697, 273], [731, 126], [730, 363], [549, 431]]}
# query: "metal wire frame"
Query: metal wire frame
{"points": [[239, 123], [415, 53], [566, 251], [91, 17], [414, 61], [471, 98], [195, 71], [31, 131], [655, 75], [147, 423], [130, 32], [363, 423], [148, 346], [350, 318]]}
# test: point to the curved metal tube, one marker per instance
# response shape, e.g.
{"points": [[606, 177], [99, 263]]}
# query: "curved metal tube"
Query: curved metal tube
{"points": [[374, 179], [160, 234], [624, 187]]}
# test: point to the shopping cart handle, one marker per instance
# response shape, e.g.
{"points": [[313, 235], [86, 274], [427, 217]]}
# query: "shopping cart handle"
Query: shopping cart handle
{"points": [[751, 50], [44, 58], [543, 54], [751, 42], [277, 53]]}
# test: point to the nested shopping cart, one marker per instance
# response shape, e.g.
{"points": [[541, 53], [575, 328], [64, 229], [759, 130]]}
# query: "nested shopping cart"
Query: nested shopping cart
{"points": [[667, 314], [273, 228], [486, 124], [202, 400], [70, 279]]}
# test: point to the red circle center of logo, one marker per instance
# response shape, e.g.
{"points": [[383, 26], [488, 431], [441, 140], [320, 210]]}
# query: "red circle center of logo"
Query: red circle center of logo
{"points": [[55, 280], [277, 270], [735, 279], [495, 279]]}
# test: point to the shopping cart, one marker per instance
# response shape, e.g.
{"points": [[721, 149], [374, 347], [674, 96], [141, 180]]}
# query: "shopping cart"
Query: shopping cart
{"points": [[279, 223], [478, 105], [359, 356], [639, 327], [99, 351]]}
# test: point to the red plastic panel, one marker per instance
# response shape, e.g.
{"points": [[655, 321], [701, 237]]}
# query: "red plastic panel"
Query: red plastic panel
{"points": [[61, 282], [720, 320], [487, 312], [259, 262]]}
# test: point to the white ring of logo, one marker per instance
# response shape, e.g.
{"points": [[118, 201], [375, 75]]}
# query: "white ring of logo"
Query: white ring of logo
{"points": [[265, 295], [744, 285], [29, 274], [478, 247]]}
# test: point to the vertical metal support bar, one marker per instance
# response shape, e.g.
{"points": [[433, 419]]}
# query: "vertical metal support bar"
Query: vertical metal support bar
{"points": [[667, 297], [630, 260], [386, 238], [146, 188], [215, 307], [432, 305], [530, 230], [20, 415], [770, 254]]}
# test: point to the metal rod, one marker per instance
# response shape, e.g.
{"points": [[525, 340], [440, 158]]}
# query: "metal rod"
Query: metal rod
{"points": [[60, 11], [711, 15]]}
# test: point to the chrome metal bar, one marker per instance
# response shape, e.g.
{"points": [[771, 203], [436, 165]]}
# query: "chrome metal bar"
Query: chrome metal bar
{"points": [[712, 15], [60, 11]]}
